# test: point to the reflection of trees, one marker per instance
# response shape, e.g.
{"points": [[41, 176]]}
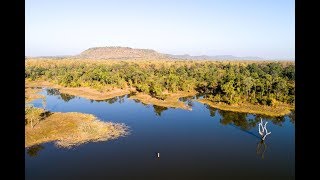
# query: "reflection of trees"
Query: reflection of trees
{"points": [[66, 97], [159, 109], [278, 120], [211, 110], [56, 92], [34, 150], [53, 92], [119, 99], [144, 104], [292, 117], [111, 100], [238, 119], [187, 100], [275, 120]]}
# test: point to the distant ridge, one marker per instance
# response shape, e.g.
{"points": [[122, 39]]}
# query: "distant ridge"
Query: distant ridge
{"points": [[219, 57], [116, 52], [123, 53]]}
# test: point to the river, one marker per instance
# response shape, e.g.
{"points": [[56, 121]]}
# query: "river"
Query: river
{"points": [[204, 143]]}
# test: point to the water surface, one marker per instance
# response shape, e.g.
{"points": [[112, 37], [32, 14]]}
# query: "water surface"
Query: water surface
{"points": [[204, 143]]}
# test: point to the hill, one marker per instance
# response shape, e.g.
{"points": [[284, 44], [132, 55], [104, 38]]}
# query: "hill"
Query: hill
{"points": [[127, 53], [113, 52], [120, 53]]}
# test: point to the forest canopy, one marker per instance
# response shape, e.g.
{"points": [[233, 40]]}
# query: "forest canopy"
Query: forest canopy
{"points": [[264, 83]]}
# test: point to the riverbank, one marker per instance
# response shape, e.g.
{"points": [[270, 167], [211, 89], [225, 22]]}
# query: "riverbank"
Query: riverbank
{"points": [[171, 101], [85, 92], [280, 109], [71, 129], [32, 94]]}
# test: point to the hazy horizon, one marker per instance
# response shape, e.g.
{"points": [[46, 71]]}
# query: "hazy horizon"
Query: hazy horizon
{"points": [[239, 28]]}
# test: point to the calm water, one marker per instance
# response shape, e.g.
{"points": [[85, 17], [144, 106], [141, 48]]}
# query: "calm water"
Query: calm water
{"points": [[204, 143]]}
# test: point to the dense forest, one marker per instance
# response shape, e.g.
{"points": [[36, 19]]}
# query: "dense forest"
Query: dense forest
{"points": [[230, 82]]}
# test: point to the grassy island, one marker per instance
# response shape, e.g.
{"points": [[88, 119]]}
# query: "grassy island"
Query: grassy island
{"points": [[71, 129]]}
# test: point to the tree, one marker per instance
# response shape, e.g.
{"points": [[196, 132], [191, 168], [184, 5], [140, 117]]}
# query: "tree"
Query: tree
{"points": [[229, 90], [33, 115], [248, 83]]}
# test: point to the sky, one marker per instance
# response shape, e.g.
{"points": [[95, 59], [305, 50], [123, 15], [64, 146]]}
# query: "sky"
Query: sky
{"points": [[264, 28]]}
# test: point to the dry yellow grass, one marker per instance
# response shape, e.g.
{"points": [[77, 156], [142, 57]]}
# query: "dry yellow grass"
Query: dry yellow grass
{"points": [[71, 129], [85, 92], [32, 94], [280, 109], [39, 83], [172, 100], [93, 94]]}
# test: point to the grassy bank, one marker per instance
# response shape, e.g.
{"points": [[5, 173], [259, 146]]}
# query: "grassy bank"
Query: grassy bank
{"points": [[278, 110], [70, 129], [172, 99], [32, 94], [85, 92]]}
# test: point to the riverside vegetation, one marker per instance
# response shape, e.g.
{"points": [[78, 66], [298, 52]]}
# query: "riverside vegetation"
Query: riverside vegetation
{"points": [[261, 87]]}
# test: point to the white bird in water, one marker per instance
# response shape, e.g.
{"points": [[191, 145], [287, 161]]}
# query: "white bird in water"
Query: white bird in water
{"points": [[158, 155]]}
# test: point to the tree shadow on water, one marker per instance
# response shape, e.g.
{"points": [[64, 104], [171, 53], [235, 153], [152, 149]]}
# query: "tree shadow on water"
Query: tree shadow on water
{"points": [[33, 151], [159, 109]]}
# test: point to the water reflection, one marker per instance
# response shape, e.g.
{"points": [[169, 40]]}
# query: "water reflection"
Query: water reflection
{"points": [[261, 148], [240, 141], [66, 97], [33, 151], [52, 92], [238, 119], [119, 99], [63, 96], [243, 121], [159, 109], [188, 100], [292, 116], [211, 110]]}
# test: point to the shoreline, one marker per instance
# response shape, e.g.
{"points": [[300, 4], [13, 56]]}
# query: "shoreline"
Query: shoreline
{"points": [[32, 94], [172, 101], [279, 110], [84, 92], [72, 129]]}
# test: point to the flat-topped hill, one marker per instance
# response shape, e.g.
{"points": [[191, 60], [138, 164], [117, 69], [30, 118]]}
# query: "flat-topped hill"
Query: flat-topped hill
{"points": [[120, 53]]}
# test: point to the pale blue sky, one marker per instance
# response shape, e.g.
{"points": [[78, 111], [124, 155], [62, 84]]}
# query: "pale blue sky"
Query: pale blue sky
{"points": [[262, 28]]}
